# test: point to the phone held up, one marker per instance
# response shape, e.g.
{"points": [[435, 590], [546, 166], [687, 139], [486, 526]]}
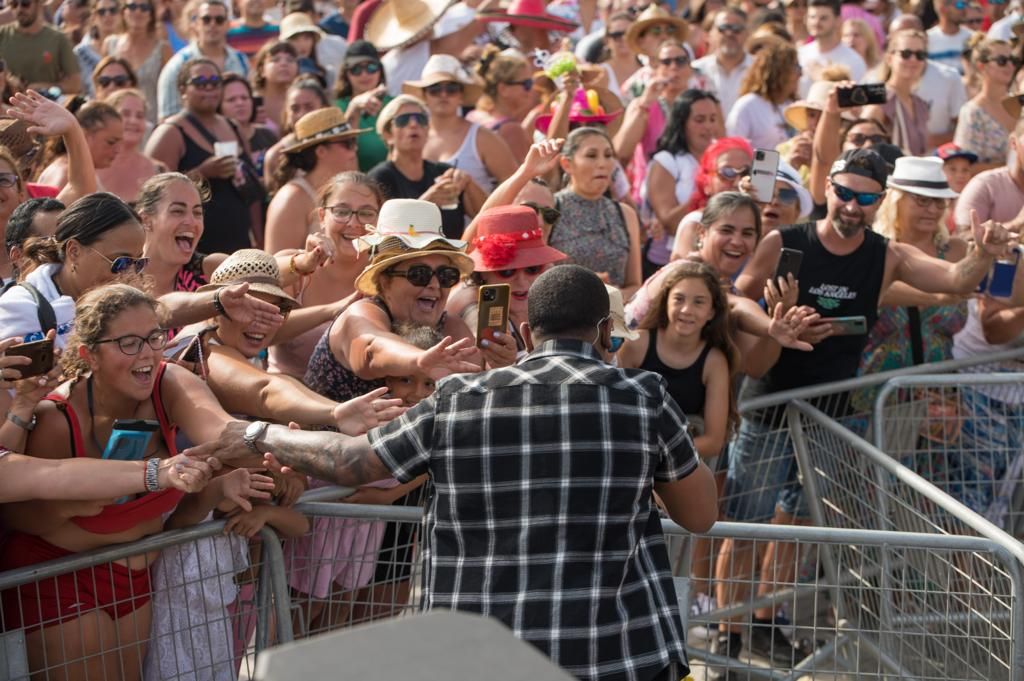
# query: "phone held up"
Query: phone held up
{"points": [[762, 174], [41, 354], [492, 311], [789, 263], [861, 95], [847, 326]]}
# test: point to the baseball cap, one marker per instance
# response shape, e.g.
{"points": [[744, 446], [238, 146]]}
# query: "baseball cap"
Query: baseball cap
{"points": [[864, 162], [952, 150]]}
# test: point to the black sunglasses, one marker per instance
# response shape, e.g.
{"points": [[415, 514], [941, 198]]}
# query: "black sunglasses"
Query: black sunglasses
{"points": [[402, 120], [139, 7], [105, 11], [919, 55], [119, 81], [1001, 60], [448, 88], [731, 28], [208, 19], [615, 35], [131, 345], [526, 83], [532, 270], [205, 82], [21, 3], [348, 142], [679, 61], [547, 214], [420, 275], [787, 196], [370, 67], [859, 139]]}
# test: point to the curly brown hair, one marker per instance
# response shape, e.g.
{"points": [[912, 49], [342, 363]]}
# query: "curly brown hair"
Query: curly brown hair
{"points": [[769, 75]]}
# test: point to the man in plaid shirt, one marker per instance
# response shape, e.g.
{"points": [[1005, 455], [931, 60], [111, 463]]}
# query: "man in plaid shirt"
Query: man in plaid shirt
{"points": [[543, 514]]}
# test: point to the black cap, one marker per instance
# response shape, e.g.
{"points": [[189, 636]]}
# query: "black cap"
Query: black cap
{"points": [[361, 50], [889, 152], [864, 162]]}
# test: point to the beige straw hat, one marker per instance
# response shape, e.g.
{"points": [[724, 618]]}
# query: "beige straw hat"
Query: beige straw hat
{"points": [[323, 125], [254, 267]]}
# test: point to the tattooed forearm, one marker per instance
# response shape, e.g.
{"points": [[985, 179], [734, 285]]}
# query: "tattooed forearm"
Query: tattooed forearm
{"points": [[337, 458]]}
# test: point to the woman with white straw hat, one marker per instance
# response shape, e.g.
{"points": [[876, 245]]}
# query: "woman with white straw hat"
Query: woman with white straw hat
{"points": [[298, 30], [913, 213], [324, 146], [445, 87]]}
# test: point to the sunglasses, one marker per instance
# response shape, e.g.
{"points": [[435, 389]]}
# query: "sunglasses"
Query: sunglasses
{"points": [[349, 143], [526, 84], [402, 120], [532, 271], [731, 28], [787, 196], [926, 201], [1001, 60], [8, 180], [139, 7], [659, 30], [343, 213], [449, 88], [106, 11], [547, 214], [973, 22], [958, 4], [131, 345], [205, 82], [208, 19], [123, 263], [679, 61], [859, 139], [370, 67], [919, 55], [119, 81], [616, 345], [846, 194], [615, 35], [420, 275], [729, 173], [22, 3]]}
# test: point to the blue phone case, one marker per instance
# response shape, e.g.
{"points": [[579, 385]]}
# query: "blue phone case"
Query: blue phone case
{"points": [[1003, 274], [127, 445]]}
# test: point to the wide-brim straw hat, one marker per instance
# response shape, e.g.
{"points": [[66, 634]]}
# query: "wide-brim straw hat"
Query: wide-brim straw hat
{"points": [[510, 238], [407, 229], [297, 23], [654, 14], [617, 311], [320, 126], [921, 175], [254, 267], [796, 113], [444, 68], [1013, 104], [399, 23], [531, 14]]}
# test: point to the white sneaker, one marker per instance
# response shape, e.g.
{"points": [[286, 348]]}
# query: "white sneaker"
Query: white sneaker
{"points": [[700, 607]]}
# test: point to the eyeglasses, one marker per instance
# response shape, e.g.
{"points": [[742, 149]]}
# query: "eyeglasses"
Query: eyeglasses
{"points": [[929, 201], [919, 55], [526, 83], [402, 120], [617, 342], [958, 4], [730, 173], [973, 22], [106, 11], [846, 194], [370, 67], [531, 271], [208, 19], [22, 3], [1000, 60], [123, 263], [636, 10], [420, 275], [547, 214], [139, 7], [205, 82], [343, 213], [448, 88], [131, 345], [679, 61], [8, 180], [659, 30], [615, 35], [731, 28], [859, 139], [118, 81], [787, 196]]}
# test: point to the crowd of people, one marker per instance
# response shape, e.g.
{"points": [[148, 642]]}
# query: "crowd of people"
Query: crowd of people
{"points": [[219, 216]]}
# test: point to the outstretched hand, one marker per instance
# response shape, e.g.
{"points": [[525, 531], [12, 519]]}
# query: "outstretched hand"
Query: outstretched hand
{"points": [[993, 238], [245, 309], [448, 357], [781, 290], [362, 413], [787, 326], [185, 474], [542, 157], [241, 484], [44, 116]]}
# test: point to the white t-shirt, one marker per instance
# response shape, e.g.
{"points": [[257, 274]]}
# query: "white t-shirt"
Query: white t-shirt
{"points": [[19, 314], [946, 49], [726, 86], [944, 91], [759, 121], [405, 64], [1003, 29], [812, 60]]}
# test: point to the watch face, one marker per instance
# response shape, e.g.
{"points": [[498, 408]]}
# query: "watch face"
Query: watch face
{"points": [[255, 429]]}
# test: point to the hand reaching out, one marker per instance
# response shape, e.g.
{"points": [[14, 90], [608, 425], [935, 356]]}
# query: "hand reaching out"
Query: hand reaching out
{"points": [[185, 474], [500, 352], [247, 523], [787, 327], [448, 357], [360, 414], [241, 484], [542, 157], [245, 309], [44, 116], [783, 290]]}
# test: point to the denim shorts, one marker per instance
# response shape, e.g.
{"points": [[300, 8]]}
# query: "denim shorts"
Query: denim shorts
{"points": [[762, 474]]}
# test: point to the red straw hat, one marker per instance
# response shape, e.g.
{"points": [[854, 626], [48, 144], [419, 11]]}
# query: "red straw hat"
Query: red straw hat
{"points": [[530, 13], [510, 238]]}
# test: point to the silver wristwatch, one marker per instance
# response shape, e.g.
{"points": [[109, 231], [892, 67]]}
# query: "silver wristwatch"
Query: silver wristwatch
{"points": [[153, 474], [253, 433]]}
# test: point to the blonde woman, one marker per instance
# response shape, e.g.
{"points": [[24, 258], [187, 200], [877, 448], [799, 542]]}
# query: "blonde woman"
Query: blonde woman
{"points": [[131, 167], [984, 125], [904, 113], [859, 36], [508, 97]]}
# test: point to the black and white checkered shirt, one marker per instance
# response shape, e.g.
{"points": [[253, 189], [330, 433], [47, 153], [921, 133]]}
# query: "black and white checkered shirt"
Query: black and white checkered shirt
{"points": [[542, 515]]}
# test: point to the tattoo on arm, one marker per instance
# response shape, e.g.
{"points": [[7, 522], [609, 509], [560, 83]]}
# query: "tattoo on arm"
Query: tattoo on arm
{"points": [[337, 458]]}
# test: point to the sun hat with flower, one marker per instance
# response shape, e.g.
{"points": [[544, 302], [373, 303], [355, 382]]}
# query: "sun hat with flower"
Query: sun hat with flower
{"points": [[407, 229], [510, 238]]}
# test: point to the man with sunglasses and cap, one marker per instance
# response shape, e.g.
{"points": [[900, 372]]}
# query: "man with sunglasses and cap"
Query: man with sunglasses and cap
{"points": [[38, 53]]}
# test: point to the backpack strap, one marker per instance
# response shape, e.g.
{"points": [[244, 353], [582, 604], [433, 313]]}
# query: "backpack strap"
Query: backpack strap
{"points": [[47, 317]]}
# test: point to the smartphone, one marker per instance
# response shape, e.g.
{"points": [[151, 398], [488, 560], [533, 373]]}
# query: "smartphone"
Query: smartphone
{"points": [[848, 326], [1003, 274], [492, 311], [257, 102], [129, 439], [41, 354], [789, 263], [861, 95], [762, 174]]}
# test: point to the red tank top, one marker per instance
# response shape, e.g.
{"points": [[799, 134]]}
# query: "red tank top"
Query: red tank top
{"points": [[121, 517]]}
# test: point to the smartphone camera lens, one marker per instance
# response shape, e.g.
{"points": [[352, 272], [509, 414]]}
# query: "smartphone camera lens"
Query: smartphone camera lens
{"points": [[759, 155], [490, 294]]}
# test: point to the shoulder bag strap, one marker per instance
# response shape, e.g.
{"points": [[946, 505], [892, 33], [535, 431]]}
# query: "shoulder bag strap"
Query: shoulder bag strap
{"points": [[47, 317]]}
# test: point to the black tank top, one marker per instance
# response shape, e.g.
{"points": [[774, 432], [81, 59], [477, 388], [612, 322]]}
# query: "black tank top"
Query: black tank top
{"points": [[835, 286], [686, 385]]}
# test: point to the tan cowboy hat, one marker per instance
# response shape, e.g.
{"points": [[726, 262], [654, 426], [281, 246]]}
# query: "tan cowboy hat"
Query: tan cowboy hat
{"points": [[407, 229], [649, 17], [617, 311], [320, 126], [254, 267], [1013, 104], [398, 23], [297, 23], [444, 68], [796, 113]]}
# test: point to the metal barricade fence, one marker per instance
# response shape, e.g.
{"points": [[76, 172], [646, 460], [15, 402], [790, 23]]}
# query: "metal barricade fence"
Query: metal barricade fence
{"points": [[964, 433], [957, 618]]}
